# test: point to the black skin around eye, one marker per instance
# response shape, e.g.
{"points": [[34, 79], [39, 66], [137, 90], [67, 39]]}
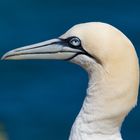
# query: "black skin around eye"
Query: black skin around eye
{"points": [[67, 42], [75, 40]]}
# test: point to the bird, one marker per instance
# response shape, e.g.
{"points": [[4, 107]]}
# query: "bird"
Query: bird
{"points": [[112, 64]]}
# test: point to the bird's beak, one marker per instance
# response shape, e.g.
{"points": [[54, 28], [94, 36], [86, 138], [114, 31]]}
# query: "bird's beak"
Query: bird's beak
{"points": [[51, 49]]}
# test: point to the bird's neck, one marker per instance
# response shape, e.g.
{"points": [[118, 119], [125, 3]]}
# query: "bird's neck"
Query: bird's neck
{"points": [[95, 120]]}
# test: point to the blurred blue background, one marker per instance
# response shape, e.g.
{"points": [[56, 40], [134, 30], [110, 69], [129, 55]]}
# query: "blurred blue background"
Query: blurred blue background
{"points": [[39, 100]]}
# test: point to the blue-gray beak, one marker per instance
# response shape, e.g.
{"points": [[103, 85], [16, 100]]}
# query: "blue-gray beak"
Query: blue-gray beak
{"points": [[51, 49]]}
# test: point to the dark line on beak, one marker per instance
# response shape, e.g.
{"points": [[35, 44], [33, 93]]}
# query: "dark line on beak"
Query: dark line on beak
{"points": [[72, 57], [57, 42], [39, 53]]}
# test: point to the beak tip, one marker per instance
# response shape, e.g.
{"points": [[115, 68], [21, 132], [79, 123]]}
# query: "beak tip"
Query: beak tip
{"points": [[5, 56]]}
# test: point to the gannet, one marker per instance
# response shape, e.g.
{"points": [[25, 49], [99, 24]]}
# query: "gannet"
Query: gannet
{"points": [[113, 68]]}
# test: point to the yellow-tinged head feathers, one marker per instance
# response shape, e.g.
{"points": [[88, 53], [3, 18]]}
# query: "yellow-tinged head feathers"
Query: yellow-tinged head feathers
{"points": [[118, 60]]}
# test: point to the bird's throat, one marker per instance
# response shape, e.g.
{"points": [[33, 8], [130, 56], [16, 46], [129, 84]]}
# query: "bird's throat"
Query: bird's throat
{"points": [[95, 121]]}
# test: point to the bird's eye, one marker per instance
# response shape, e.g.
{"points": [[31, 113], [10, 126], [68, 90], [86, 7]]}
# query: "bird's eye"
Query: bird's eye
{"points": [[75, 42]]}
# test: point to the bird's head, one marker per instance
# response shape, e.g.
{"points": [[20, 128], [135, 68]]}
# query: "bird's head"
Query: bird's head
{"points": [[100, 42], [93, 44]]}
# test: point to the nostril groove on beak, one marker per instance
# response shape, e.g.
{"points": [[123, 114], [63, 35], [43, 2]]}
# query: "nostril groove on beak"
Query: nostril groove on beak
{"points": [[35, 47]]}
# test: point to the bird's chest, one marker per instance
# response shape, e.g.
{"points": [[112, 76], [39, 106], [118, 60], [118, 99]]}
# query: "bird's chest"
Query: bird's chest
{"points": [[82, 131]]}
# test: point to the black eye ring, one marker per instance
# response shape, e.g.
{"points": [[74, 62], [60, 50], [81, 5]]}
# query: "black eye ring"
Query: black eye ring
{"points": [[75, 41]]}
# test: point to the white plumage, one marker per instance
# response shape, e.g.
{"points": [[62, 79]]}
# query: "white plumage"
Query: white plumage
{"points": [[112, 64]]}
